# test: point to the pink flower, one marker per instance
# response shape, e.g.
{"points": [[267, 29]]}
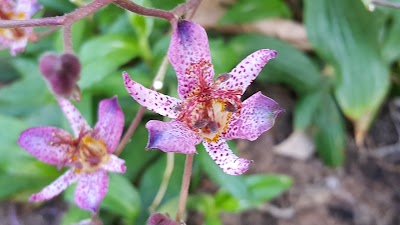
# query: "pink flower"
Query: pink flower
{"points": [[16, 38], [88, 153], [208, 111]]}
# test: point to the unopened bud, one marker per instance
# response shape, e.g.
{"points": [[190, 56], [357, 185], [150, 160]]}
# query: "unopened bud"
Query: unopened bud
{"points": [[160, 219], [61, 73]]}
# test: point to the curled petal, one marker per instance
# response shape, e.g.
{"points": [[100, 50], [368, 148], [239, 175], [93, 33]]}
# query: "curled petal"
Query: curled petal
{"points": [[110, 123], [171, 137], [91, 189], [157, 102], [56, 187], [224, 157], [115, 164], [41, 142], [75, 119], [257, 116], [189, 54], [248, 69]]}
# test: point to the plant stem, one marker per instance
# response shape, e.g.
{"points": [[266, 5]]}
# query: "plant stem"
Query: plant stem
{"points": [[184, 188], [133, 7], [387, 4], [127, 136], [164, 183]]}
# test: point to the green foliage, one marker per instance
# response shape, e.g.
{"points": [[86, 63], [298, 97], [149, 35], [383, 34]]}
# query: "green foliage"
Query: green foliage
{"points": [[346, 35], [249, 11], [346, 76]]}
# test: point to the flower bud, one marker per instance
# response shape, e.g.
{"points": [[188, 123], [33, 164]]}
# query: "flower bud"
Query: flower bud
{"points": [[61, 73], [160, 219]]}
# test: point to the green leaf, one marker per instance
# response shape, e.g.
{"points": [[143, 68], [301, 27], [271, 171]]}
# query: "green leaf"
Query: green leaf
{"points": [[346, 35], [225, 57], [291, 66], [263, 188], [122, 198], [60, 5], [306, 110], [103, 55], [249, 11], [329, 132], [74, 215], [391, 41]]}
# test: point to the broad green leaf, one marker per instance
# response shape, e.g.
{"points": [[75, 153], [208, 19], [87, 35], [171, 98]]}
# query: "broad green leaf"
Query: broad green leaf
{"points": [[224, 57], [306, 110], [391, 41], [263, 188], [74, 215], [235, 185], [329, 132], [103, 55], [136, 155], [346, 35], [291, 66], [249, 11], [60, 5], [122, 198]]}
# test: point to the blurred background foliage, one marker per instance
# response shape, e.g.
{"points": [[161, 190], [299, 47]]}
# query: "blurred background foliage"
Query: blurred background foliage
{"points": [[340, 79]]}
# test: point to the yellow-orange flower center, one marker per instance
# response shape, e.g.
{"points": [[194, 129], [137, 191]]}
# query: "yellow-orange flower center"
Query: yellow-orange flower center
{"points": [[12, 33], [208, 109], [86, 152]]}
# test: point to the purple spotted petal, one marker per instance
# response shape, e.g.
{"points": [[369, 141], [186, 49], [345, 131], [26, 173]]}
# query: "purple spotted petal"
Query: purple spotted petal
{"points": [[224, 157], [91, 189], [29, 7], [41, 143], [75, 119], [110, 123], [189, 54], [115, 164], [257, 116], [56, 187], [171, 136], [248, 69], [157, 102]]}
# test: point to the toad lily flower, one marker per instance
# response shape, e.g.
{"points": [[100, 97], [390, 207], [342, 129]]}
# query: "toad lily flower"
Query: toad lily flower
{"points": [[16, 38], [208, 111], [89, 153]]}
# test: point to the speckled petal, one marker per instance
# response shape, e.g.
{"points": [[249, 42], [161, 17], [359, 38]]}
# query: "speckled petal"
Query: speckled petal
{"points": [[224, 157], [157, 102], [91, 189], [189, 54], [56, 187], [110, 123], [29, 7], [115, 164], [257, 116], [171, 136], [248, 69], [40, 142], [75, 119]]}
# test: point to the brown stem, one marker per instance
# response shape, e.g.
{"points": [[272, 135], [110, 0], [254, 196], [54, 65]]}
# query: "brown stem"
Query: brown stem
{"points": [[184, 188], [127, 136], [42, 22], [133, 7], [67, 39]]}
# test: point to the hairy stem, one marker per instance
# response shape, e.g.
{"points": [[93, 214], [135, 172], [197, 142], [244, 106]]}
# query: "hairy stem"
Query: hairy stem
{"points": [[184, 188], [67, 37], [133, 7]]}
